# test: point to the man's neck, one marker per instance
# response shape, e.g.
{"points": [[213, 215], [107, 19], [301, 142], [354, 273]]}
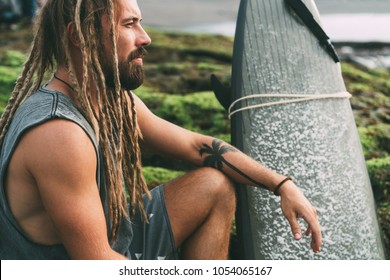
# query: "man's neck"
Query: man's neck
{"points": [[61, 81]]}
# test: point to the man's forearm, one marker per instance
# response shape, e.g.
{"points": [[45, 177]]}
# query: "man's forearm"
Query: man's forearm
{"points": [[238, 166]]}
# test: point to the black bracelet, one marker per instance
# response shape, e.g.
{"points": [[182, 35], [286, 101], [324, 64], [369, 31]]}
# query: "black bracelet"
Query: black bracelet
{"points": [[276, 191]]}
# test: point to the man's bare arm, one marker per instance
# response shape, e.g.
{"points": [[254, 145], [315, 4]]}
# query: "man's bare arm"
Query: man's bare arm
{"points": [[201, 150], [62, 160]]}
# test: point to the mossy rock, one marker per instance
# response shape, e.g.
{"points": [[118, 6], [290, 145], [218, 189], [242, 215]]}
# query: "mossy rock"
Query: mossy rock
{"points": [[373, 80], [11, 63], [199, 112], [375, 140], [187, 42], [379, 171], [370, 108], [170, 68], [8, 76], [12, 58], [182, 63], [371, 93]]}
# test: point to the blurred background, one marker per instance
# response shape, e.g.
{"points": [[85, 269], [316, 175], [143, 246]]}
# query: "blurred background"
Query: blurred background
{"points": [[353, 21], [344, 20]]}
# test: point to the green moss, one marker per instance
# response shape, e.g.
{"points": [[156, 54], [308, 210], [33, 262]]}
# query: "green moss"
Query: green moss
{"points": [[10, 67], [200, 112], [369, 142], [349, 70], [371, 108], [179, 42], [375, 140], [204, 66], [157, 175], [379, 171], [182, 63], [8, 76], [170, 68], [12, 58], [358, 87], [359, 80]]}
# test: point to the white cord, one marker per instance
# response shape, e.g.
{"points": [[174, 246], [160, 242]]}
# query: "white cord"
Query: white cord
{"points": [[300, 98]]}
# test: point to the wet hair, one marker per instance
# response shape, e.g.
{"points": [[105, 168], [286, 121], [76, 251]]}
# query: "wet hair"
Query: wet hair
{"points": [[114, 120]]}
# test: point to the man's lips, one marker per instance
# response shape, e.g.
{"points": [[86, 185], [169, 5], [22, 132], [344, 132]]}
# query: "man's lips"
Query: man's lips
{"points": [[138, 60]]}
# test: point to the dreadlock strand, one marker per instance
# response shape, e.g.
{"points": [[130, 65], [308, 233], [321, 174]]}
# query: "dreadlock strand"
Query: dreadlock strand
{"points": [[85, 97], [108, 144], [77, 20], [37, 83], [118, 92], [71, 69], [135, 165]]}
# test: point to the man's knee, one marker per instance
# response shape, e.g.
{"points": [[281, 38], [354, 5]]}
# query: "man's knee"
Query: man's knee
{"points": [[219, 185]]}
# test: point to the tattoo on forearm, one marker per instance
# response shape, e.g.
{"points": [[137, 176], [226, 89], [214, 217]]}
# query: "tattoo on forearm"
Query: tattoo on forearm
{"points": [[216, 159]]}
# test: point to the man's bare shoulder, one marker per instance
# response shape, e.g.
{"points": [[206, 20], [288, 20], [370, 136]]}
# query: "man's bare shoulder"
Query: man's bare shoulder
{"points": [[58, 145]]}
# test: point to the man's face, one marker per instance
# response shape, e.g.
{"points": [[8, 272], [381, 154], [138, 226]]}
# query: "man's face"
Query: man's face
{"points": [[131, 38]]}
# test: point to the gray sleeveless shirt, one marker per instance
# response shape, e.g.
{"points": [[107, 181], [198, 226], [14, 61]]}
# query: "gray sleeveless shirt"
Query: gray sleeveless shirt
{"points": [[42, 106]]}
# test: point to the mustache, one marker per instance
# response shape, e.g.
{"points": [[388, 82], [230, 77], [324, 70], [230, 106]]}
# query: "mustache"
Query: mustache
{"points": [[138, 53]]}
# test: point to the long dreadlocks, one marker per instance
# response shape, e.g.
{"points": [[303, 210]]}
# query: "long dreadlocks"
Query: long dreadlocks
{"points": [[115, 110]]}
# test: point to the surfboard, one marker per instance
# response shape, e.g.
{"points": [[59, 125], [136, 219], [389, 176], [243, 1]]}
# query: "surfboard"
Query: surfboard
{"points": [[277, 62]]}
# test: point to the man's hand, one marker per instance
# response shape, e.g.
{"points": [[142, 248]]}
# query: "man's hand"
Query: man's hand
{"points": [[294, 206]]}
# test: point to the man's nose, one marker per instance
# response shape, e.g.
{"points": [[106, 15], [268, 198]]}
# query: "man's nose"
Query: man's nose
{"points": [[143, 38]]}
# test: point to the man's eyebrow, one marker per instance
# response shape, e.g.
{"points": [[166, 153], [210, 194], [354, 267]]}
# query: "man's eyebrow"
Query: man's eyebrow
{"points": [[132, 18]]}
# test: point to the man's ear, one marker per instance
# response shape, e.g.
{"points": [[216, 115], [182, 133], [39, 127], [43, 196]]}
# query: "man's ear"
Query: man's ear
{"points": [[72, 34]]}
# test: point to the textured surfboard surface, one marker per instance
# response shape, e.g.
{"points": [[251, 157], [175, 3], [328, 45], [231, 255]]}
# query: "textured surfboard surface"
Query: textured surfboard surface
{"points": [[316, 142]]}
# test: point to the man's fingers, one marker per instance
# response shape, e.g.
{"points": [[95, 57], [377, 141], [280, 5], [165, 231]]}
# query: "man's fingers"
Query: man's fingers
{"points": [[316, 240], [295, 228], [312, 229], [294, 206], [315, 230]]}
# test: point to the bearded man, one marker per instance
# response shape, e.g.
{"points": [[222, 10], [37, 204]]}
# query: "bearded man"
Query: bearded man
{"points": [[71, 176]]}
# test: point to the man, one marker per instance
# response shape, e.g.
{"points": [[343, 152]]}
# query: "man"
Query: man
{"points": [[71, 146]]}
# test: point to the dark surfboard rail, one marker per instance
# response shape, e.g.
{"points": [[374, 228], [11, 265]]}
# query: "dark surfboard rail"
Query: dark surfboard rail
{"points": [[316, 141]]}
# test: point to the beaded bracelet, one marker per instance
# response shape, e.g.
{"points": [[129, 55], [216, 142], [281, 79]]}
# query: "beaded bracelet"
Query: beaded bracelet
{"points": [[276, 191]]}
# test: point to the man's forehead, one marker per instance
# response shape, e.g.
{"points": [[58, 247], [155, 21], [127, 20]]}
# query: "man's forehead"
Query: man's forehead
{"points": [[129, 9]]}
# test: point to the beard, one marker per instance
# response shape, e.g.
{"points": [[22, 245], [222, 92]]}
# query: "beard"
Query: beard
{"points": [[131, 74]]}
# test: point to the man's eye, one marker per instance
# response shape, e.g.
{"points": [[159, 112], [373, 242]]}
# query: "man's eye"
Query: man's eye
{"points": [[131, 22]]}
